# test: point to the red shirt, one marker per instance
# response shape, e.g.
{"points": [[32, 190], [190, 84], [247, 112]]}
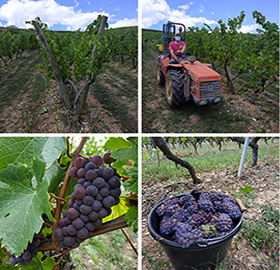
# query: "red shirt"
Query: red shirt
{"points": [[176, 46]]}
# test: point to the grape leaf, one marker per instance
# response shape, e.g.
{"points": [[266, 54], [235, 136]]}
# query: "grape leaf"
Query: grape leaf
{"points": [[22, 150], [54, 175], [123, 155], [38, 264], [22, 203], [131, 184], [131, 218], [116, 143]]}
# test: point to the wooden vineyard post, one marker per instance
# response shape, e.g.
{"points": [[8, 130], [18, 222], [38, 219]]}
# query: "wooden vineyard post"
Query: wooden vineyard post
{"points": [[61, 86], [100, 30]]}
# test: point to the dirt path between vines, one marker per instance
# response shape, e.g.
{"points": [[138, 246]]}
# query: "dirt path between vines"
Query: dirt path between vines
{"points": [[30, 103], [264, 180], [235, 114]]}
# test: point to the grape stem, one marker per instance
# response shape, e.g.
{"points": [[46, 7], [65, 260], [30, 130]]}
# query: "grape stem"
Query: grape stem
{"points": [[63, 190], [58, 199]]}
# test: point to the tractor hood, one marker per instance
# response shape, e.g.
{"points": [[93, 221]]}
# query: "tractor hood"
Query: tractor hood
{"points": [[201, 72]]}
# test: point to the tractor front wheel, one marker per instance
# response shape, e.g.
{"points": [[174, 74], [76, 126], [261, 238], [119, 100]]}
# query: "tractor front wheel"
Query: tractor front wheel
{"points": [[174, 88], [160, 76]]}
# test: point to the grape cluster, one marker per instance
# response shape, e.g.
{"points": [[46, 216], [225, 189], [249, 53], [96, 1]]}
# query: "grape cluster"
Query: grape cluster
{"points": [[186, 220], [29, 253], [168, 207], [97, 190]]}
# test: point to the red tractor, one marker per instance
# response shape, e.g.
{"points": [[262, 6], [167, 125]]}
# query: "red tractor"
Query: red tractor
{"points": [[189, 79]]}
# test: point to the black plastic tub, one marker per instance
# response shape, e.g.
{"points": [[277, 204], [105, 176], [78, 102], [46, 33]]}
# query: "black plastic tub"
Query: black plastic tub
{"points": [[203, 255]]}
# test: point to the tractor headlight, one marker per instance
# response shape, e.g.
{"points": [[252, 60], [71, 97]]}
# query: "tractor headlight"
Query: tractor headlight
{"points": [[202, 102], [217, 99]]}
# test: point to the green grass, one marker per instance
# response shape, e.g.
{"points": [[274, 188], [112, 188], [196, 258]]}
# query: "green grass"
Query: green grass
{"points": [[111, 250], [228, 158], [157, 264], [263, 236]]}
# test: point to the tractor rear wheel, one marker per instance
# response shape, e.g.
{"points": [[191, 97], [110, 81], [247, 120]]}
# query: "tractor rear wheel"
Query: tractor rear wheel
{"points": [[174, 88], [160, 76]]}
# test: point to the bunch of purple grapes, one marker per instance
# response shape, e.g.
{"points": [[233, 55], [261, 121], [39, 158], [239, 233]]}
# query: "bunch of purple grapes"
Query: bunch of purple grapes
{"points": [[97, 190], [187, 220], [29, 253]]}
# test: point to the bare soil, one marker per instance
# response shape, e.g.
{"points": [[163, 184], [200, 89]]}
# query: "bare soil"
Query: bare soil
{"points": [[241, 254]]}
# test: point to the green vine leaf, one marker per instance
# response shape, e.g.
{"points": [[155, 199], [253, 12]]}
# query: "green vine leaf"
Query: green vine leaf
{"points": [[23, 200], [123, 151], [131, 184], [131, 218], [21, 150], [116, 143]]}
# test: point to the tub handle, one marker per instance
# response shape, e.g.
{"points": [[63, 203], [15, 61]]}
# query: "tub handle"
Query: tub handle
{"points": [[241, 205]]}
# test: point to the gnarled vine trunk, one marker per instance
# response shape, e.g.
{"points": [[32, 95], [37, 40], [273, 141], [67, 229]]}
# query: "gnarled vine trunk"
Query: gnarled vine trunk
{"points": [[161, 144]]}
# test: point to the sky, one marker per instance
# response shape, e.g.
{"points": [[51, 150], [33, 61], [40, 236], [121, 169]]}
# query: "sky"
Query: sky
{"points": [[196, 12], [68, 14], [74, 14]]}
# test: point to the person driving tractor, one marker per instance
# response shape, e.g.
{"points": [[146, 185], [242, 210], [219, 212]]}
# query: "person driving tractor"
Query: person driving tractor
{"points": [[176, 48]]}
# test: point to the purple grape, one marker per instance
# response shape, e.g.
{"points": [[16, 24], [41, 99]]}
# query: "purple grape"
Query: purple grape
{"points": [[90, 226], [102, 213], [79, 192], [69, 241], [73, 172], [85, 209], [58, 234], [88, 200], [78, 223], [84, 218], [104, 192], [82, 233], [108, 173], [96, 206], [108, 202], [92, 190], [91, 175], [78, 162], [97, 223], [90, 166], [81, 172], [114, 182], [99, 182], [71, 230], [116, 192], [93, 216], [73, 213], [81, 181], [98, 160]]}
